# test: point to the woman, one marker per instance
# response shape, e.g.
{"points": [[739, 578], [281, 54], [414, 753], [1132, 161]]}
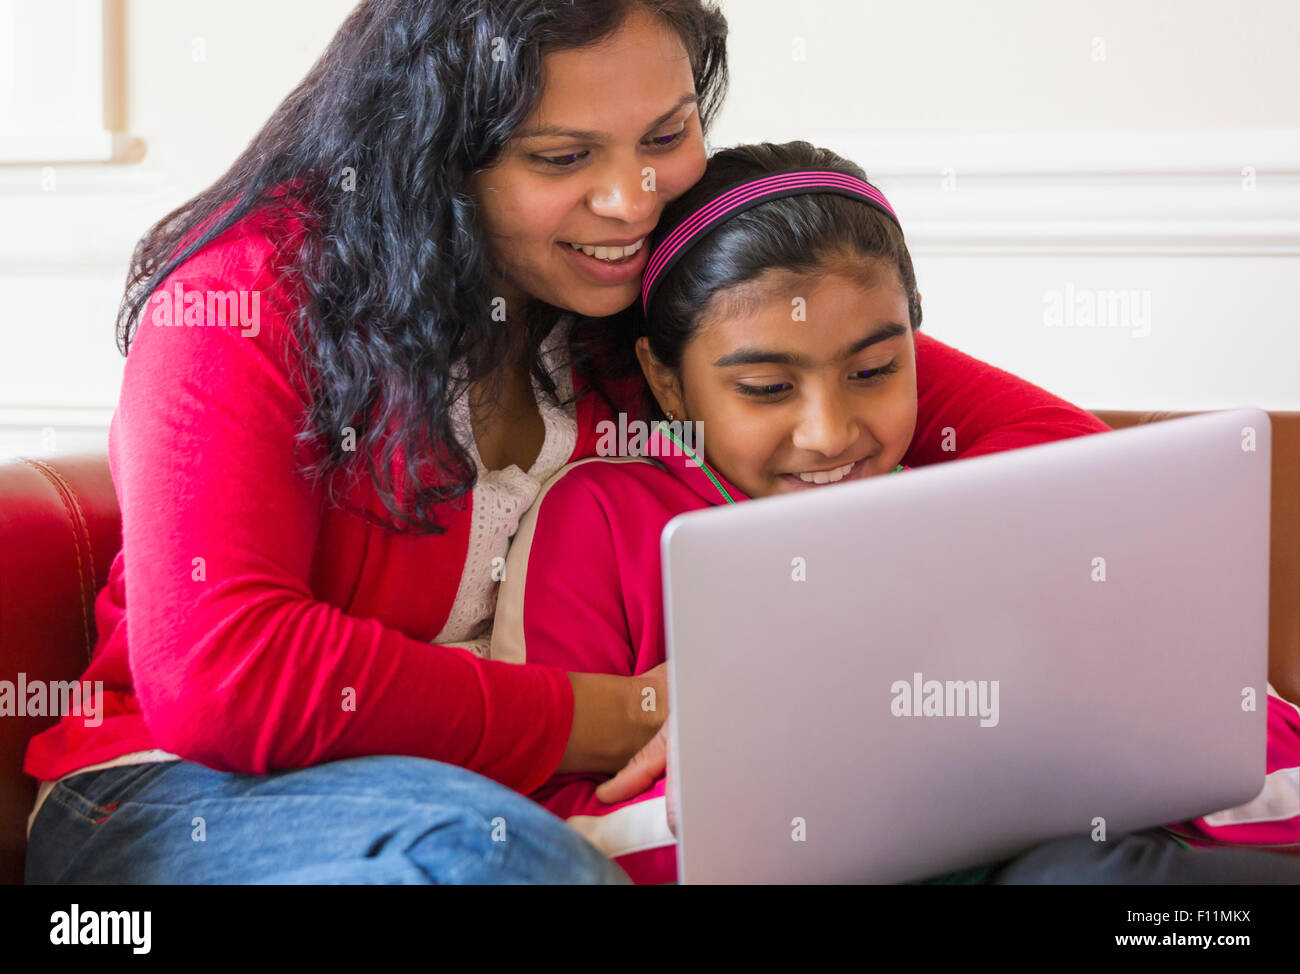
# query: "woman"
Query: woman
{"points": [[316, 505]]}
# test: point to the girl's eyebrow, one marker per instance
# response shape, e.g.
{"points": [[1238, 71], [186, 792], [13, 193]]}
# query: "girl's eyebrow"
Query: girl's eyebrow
{"points": [[756, 356], [599, 137]]}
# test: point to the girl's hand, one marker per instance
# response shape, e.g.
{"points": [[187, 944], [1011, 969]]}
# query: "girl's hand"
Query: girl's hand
{"points": [[642, 771]]}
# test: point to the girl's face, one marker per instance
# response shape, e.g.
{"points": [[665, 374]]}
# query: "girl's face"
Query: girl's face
{"points": [[786, 401], [623, 139]]}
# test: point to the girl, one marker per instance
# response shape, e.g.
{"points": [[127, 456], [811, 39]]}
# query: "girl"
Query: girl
{"points": [[782, 317]]}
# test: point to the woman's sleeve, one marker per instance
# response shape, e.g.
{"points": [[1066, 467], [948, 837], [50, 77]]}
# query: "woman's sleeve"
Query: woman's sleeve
{"points": [[968, 408], [234, 664]]}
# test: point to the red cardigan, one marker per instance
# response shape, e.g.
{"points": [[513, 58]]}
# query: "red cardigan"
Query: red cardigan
{"points": [[302, 608]]}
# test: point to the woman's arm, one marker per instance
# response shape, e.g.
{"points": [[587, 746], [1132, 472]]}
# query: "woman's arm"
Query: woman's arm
{"points": [[234, 663], [968, 408], [604, 709]]}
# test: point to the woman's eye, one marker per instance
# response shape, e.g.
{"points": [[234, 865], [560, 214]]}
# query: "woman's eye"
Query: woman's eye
{"points": [[660, 142], [558, 161]]}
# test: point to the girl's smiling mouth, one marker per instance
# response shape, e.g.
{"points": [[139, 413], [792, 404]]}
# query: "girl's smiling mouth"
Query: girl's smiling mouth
{"points": [[818, 478]]}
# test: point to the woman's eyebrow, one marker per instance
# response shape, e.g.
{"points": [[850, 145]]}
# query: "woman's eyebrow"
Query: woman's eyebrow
{"points": [[757, 356], [560, 131]]}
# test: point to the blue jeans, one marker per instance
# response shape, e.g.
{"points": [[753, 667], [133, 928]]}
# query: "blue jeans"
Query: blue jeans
{"points": [[381, 819]]}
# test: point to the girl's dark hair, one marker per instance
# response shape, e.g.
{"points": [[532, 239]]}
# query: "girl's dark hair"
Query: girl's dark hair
{"points": [[409, 100], [803, 234]]}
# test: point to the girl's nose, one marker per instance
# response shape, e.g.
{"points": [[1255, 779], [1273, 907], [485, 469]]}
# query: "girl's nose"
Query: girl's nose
{"points": [[826, 427], [618, 193]]}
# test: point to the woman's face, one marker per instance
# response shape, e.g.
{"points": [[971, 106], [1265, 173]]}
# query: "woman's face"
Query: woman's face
{"points": [[626, 141], [832, 396]]}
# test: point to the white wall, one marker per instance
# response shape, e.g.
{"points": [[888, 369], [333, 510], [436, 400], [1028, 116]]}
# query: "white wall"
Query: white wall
{"points": [[1034, 150], [1044, 151], [199, 114], [1013, 65]]}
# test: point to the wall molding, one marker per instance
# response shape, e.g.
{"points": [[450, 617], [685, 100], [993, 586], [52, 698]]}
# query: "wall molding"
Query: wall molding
{"points": [[36, 416], [78, 218], [1009, 194], [41, 429], [1105, 193]]}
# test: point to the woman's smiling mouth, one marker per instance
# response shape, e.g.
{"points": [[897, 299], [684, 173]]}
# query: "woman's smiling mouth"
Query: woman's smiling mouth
{"points": [[599, 264], [609, 251]]}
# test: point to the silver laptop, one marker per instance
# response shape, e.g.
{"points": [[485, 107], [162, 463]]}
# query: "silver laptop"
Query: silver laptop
{"points": [[885, 680]]}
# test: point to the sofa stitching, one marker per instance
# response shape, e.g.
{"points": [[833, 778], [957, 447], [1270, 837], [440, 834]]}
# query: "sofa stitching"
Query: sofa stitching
{"points": [[72, 506]]}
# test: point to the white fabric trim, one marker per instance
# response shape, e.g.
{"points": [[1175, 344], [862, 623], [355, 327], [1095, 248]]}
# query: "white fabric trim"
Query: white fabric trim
{"points": [[507, 641], [632, 828], [501, 497], [1278, 801], [135, 757]]}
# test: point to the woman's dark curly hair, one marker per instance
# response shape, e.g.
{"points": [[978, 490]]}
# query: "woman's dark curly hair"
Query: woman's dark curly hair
{"points": [[410, 100], [802, 234]]}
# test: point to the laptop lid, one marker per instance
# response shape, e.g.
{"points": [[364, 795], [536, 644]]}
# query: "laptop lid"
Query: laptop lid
{"points": [[884, 680]]}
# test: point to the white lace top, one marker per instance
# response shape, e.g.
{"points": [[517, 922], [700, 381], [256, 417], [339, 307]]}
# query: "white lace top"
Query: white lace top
{"points": [[501, 497]]}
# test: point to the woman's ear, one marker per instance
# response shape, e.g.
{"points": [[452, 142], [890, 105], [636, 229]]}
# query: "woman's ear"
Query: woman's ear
{"points": [[661, 379]]}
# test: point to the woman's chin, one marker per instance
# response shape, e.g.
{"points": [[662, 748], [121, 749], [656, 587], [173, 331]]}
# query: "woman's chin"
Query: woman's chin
{"points": [[602, 302]]}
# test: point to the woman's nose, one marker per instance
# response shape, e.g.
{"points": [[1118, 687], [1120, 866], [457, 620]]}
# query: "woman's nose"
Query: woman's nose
{"points": [[826, 427], [620, 194]]}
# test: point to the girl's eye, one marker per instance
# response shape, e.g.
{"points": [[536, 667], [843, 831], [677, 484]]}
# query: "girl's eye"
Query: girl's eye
{"points": [[660, 142], [663, 141], [866, 376], [878, 375]]}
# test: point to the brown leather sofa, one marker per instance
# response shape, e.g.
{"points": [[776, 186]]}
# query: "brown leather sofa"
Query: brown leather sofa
{"points": [[59, 532]]}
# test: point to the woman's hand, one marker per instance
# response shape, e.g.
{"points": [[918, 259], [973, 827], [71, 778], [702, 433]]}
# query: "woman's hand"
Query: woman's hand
{"points": [[614, 717]]}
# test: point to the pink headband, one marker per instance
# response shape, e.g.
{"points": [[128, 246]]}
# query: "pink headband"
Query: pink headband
{"points": [[742, 197]]}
